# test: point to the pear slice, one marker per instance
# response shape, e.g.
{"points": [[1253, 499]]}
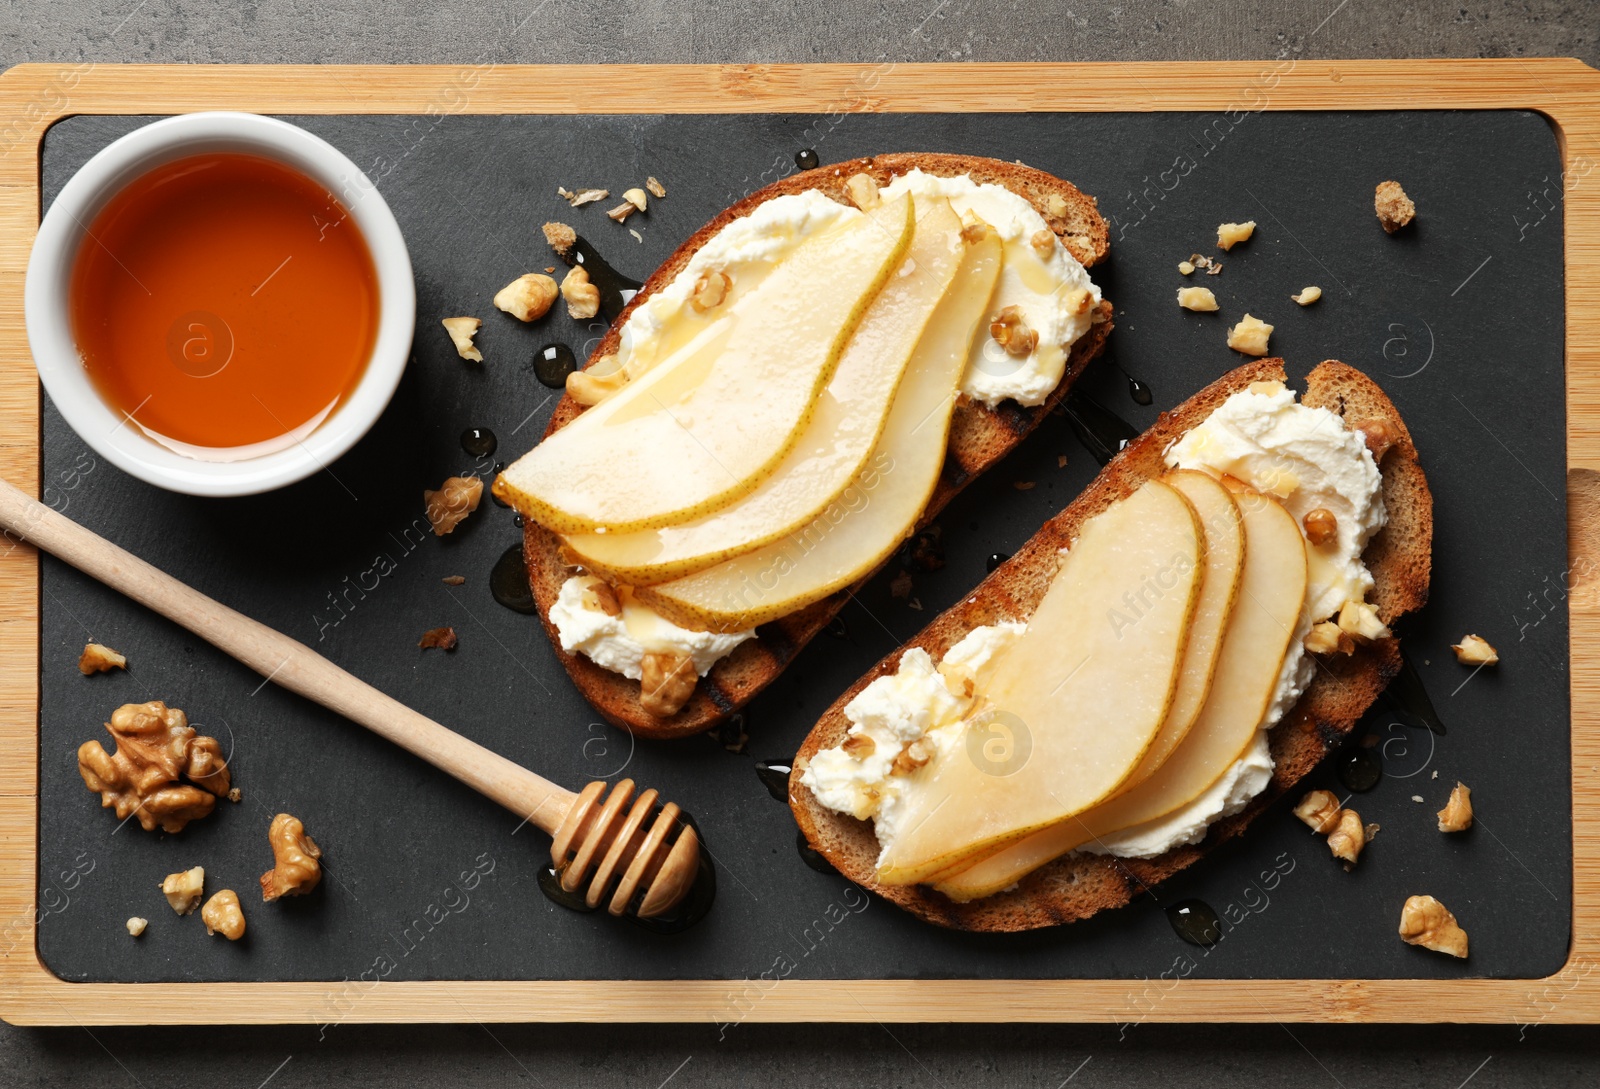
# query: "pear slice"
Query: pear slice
{"points": [[848, 422], [1068, 711], [1272, 592], [1225, 546], [861, 527], [704, 428]]}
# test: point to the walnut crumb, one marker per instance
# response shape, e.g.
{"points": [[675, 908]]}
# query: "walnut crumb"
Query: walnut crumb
{"points": [[561, 238], [528, 297], [438, 639], [99, 658], [859, 746], [1394, 208], [583, 297], [710, 289], [449, 506], [622, 211], [1361, 622], [1186, 268], [1197, 298], [1474, 650], [603, 378], [1321, 526], [223, 915], [603, 597], [638, 198], [655, 187], [1379, 436], [583, 196], [863, 191], [666, 682], [1230, 235], [295, 866], [136, 925], [1320, 811], [1426, 922], [1456, 816], [1250, 336], [461, 331], [1056, 205], [912, 757], [235, 796], [184, 889], [1348, 837], [1011, 331], [1043, 242], [1023, 485], [1307, 296], [454, 580], [1328, 638]]}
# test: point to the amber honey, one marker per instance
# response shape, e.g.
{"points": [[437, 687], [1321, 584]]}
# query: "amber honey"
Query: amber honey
{"points": [[224, 300]]}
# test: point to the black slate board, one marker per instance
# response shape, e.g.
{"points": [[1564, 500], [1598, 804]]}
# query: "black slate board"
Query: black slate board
{"points": [[1460, 318]]}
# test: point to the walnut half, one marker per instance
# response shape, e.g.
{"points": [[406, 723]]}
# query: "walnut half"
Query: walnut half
{"points": [[155, 746], [295, 869], [1426, 922]]}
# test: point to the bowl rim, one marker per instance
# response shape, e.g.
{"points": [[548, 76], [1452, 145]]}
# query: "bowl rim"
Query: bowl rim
{"points": [[64, 228]]}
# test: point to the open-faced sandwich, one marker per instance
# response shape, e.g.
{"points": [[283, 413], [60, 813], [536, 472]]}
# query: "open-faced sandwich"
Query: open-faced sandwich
{"points": [[1164, 658], [805, 382]]}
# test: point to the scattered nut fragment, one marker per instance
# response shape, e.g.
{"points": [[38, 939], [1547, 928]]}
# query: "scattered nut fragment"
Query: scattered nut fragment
{"points": [[99, 658], [528, 297], [1426, 922], [1456, 816], [583, 196], [859, 746], [1012, 332], [583, 298], [709, 290], [655, 187], [1320, 810], [223, 915], [461, 331], [1078, 301], [863, 191], [155, 745], [1043, 242], [1197, 298], [666, 682], [1321, 526], [1024, 485], [1200, 260], [454, 580], [295, 869], [439, 639], [1474, 650], [136, 925], [1328, 638], [1307, 296], [449, 506], [973, 233], [600, 381], [1056, 205], [1361, 622], [637, 198], [622, 211], [1186, 268], [1230, 235], [1394, 208], [1250, 336], [1348, 837], [900, 586], [184, 889], [602, 596], [561, 237], [912, 757], [235, 796], [1379, 435]]}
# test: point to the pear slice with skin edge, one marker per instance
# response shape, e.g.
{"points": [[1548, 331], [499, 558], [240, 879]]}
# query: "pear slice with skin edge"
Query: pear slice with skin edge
{"points": [[1074, 703], [870, 518], [850, 418], [700, 430], [1265, 616]]}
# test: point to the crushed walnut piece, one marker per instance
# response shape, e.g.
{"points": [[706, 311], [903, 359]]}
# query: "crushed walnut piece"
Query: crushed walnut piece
{"points": [[582, 196], [859, 746], [602, 596], [235, 795], [99, 658], [710, 288], [1394, 208], [1043, 242], [863, 191], [461, 331], [1456, 816], [1360, 621], [1250, 336], [1379, 436], [1056, 205], [528, 297], [1211, 266], [295, 869], [223, 915], [600, 381], [912, 757], [973, 233], [136, 925], [1308, 295], [1348, 837], [184, 889], [439, 639], [1230, 235], [1474, 650], [637, 198], [1321, 526], [666, 682], [1197, 298], [655, 187], [1426, 922], [1185, 268], [1320, 810], [561, 238], [583, 297], [449, 506], [1011, 331], [622, 211], [155, 747], [454, 580], [1328, 638]]}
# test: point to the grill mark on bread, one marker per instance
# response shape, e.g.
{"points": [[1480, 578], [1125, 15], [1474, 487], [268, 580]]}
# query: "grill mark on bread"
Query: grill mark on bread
{"points": [[1340, 693]]}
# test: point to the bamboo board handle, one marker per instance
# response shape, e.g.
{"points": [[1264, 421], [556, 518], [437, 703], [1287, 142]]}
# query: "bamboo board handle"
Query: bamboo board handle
{"points": [[287, 662]]}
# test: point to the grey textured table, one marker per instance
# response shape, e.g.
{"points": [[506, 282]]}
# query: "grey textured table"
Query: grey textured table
{"points": [[529, 31]]}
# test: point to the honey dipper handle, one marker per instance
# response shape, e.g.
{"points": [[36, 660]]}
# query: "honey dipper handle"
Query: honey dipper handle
{"points": [[286, 662]]}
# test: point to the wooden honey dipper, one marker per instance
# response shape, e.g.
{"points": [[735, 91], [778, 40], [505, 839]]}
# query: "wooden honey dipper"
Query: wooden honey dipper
{"points": [[631, 863]]}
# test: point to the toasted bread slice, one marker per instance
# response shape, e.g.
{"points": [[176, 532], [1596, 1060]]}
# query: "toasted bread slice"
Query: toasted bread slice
{"points": [[979, 437], [1075, 887]]}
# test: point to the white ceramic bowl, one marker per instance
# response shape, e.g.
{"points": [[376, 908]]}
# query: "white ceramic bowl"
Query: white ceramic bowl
{"points": [[64, 228]]}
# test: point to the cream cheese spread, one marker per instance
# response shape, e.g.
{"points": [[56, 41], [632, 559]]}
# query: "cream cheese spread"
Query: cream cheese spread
{"points": [[619, 643]]}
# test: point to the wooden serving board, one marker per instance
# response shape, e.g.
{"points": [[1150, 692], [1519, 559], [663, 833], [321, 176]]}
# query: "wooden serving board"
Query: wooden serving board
{"points": [[33, 97]]}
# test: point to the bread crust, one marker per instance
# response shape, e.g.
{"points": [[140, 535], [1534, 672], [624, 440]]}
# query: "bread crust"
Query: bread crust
{"points": [[1071, 888], [979, 437]]}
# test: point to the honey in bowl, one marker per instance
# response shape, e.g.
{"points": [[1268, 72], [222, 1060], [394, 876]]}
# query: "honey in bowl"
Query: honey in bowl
{"points": [[225, 304]]}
